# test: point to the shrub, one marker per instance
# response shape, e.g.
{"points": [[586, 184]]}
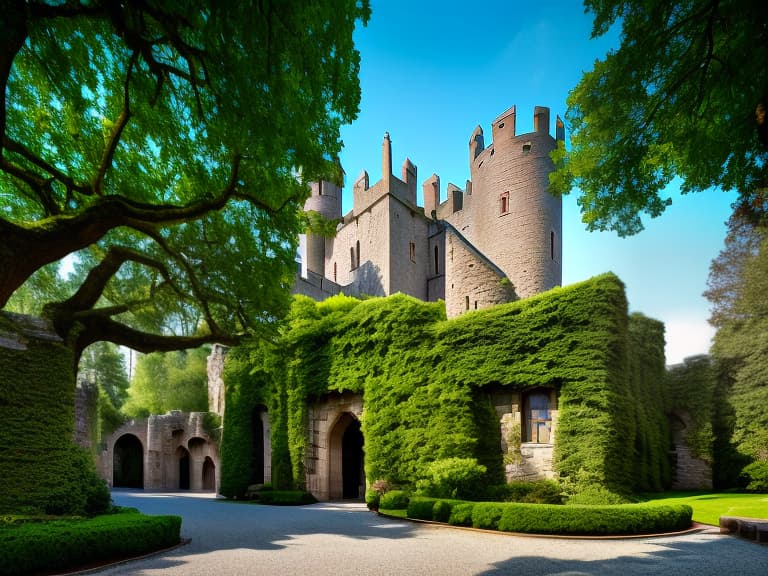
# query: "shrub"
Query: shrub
{"points": [[596, 495], [461, 514], [452, 478], [756, 476], [441, 511], [542, 492], [487, 514], [80, 491], [394, 500], [420, 508], [593, 520], [47, 546], [372, 499]]}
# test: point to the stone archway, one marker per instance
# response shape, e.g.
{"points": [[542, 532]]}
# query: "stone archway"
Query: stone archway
{"points": [[182, 455], [209, 475], [128, 462], [346, 476]]}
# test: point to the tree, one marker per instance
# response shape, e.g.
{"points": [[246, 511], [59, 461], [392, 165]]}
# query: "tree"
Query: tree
{"points": [[167, 145], [169, 381], [104, 365], [738, 283], [685, 95]]}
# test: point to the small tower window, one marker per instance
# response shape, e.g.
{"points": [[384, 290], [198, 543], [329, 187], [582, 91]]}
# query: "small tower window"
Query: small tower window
{"points": [[352, 258], [552, 245], [466, 302], [357, 254], [504, 203], [320, 188], [437, 261], [412, 251], [334, 272], [527, 148]]}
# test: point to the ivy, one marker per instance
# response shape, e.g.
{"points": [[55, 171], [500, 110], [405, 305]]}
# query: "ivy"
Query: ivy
{"points": [[425, 382]]}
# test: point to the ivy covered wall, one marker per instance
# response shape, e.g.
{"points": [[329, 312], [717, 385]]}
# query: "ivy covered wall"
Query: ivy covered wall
{"points": [[424, 380], [42, 470]]}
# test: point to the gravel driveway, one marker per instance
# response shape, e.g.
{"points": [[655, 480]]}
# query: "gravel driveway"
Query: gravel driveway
{"points": [[337, 539]]}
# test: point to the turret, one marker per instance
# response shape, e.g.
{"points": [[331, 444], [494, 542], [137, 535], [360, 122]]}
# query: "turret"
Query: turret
{"points": [[431, 190], [325, 199]]}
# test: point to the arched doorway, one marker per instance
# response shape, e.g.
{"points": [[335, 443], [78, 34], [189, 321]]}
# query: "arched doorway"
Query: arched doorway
{"points": [[183, 457], [128, 462], [209, 475], [347, 476]]}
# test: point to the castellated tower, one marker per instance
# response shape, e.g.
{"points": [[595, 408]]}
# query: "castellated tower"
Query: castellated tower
{"points": [[495, 241], [506, 212]]}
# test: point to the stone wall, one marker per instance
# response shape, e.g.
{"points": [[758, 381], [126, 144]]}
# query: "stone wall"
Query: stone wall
{"points": [[689, 472], [323, 471], [86, 414], [215, 371]]}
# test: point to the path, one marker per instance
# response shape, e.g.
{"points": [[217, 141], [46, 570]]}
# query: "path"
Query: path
{"points": [[340, 539]]}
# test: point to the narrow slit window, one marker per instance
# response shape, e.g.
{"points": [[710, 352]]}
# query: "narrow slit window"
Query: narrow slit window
{"points": [[334, 272], [504, 203], [412, 251], [357, 254], [352, 258], [552, 245], [466, 302], [437, 261]]}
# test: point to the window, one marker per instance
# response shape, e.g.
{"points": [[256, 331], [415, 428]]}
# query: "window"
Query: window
{"points": [[412, 251], [552, 245], [504, 203], [537, 417], [320, 188], [354, 256], [357, 253], [334, 272], [437, 261], [527, 148], [466, 302]]}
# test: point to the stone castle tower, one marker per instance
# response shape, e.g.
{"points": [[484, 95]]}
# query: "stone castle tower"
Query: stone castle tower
{"points": [[496, 240]]}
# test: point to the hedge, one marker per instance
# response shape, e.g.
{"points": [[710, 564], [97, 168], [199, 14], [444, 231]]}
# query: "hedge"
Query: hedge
{"points": [[38, 546], [426, 383], [554, 519]]}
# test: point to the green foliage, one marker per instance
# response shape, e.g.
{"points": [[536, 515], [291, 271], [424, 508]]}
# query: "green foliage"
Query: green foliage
{"points": [[541, 492], [738, 283], [595, 495], [161, 144], [461, 514], [169, 381], [420, 508], [42, 470], [372, 499], [593, 520], [756, 476], [394, 500], [425, 384], [487, 515], [691, 388], [56, 545], [674, 100], [452, 478]]}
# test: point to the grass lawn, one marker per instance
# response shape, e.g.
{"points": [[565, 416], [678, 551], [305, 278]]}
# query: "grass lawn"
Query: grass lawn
{"points": [[709, 506]]}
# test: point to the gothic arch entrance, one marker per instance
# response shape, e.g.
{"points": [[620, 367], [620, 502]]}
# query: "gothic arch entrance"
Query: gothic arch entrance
{"points": [[209, 475], [128, 462], [347, 476]]}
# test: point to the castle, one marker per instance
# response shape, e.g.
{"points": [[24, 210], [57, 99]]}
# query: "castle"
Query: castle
{"points": [[497, 240]]}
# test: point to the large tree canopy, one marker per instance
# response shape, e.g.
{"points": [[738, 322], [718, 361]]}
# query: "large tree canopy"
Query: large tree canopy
{"points": [[168, 146], [684, 95]]}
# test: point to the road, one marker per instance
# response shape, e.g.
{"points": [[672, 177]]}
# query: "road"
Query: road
{"points": [[337, 539]]}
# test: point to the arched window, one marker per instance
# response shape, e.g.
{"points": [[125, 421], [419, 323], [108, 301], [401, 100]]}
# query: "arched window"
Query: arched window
{"points": [[537, 417]]}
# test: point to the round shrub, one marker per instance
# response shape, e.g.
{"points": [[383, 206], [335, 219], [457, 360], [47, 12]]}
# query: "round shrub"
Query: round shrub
{"points": [[756, 476], [394, 500], [452, 478], [596, 495]]}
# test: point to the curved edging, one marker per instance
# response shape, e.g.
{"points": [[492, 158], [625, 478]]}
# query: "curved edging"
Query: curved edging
{"points": [[98, 566], [695, 528]]}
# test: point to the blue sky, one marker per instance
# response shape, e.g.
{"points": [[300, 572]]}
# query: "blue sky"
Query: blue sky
{"points": [[432, 71]]}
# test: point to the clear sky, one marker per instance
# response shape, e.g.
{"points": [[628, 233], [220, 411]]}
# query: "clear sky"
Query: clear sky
{"points": [[432, 71]]}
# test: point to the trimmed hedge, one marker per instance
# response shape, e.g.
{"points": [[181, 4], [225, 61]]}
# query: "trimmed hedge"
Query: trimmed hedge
{"points": [[38, 546], [553, 518], [394, 500]]}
